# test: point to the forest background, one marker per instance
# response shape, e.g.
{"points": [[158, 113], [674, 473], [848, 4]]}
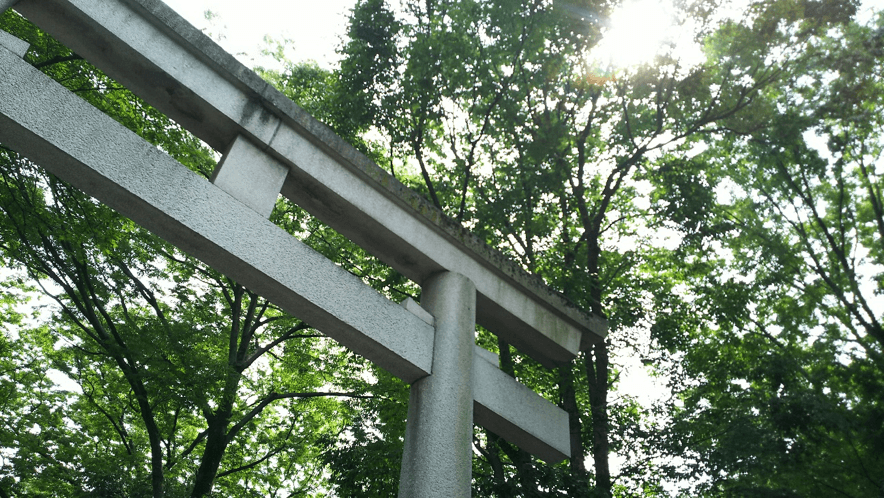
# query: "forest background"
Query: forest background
{"points": [[726, 216]]}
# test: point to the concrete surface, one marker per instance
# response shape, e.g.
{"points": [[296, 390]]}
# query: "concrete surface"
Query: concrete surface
{"points": [[416, 309], [6, 4], [151, 50], [514, 412], [252, 176], [81, 145], [437, 459], [13, 44], [72, 139], [488, 356]]}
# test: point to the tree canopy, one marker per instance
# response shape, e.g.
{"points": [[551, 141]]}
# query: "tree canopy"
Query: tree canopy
{"points": [[726, 217]]}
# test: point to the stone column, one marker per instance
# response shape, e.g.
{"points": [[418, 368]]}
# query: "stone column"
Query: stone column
{"points": [[6, 5], [437, 461]]}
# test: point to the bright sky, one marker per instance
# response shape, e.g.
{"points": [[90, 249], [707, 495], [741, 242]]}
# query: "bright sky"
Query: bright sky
{"points": [[639, 29], [636, 30], [315, 27]]}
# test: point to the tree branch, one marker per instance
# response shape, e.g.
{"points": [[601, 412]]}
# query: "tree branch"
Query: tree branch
{"points": [[275, 397]]}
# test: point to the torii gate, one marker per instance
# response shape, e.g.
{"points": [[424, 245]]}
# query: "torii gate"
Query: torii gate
{"points": [[272, 146]]}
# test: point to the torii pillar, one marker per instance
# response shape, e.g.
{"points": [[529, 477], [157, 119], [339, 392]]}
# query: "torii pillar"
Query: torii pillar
{"points": [[270, 143], [437, 460]]}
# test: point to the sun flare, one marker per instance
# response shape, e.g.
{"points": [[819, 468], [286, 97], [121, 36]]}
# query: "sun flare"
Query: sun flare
{"points": [[636, 31]]}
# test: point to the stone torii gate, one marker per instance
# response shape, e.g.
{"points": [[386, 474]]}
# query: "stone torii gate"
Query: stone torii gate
{"points": [[271, 146]]}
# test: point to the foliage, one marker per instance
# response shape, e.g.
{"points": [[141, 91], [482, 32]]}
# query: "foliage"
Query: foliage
{"points": [[762, 309], [782, 381], [187, 383], [515, 136]]}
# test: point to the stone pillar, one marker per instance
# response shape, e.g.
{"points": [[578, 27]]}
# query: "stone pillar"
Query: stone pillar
{"points": [[6, 5], [437, 461], [251, 175]]}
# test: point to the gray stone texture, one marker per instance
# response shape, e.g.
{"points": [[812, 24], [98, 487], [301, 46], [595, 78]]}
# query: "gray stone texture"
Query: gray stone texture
{"points": [[488, 356], [81, 145], [437, 459], [250, 175], [516, 413], [416, 309], [6, 5], [16, 46], [64, 134], [175, 67]]}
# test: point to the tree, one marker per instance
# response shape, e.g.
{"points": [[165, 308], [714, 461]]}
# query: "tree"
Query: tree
{"points": [[765, 314], [517, 136], [786, 261], [188, 381]]}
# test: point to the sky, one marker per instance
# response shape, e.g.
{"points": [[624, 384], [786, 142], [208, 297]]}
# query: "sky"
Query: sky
{"points": [[315, 27]]}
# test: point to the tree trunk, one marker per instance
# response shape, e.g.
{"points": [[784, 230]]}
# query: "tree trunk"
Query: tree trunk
{"points": [[134, 378], [156, 448], [596, 360], [597, 379], [217, 437], [578, 482], [216, 444]]}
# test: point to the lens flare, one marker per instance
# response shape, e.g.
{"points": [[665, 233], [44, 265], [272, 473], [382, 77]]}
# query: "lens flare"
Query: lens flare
{"points": [[637, 31]]}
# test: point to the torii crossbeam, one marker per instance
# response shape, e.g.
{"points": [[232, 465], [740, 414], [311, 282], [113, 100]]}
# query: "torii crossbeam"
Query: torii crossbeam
{"points": [[271, 146]]}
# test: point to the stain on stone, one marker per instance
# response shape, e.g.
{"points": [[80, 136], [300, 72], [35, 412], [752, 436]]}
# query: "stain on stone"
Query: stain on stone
{"points": [[255, 111], [182, 99]]}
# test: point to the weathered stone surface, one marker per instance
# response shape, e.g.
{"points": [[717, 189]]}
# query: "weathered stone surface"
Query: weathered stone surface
{"points": [[6, 4], [250, 175], [175, 67], [516, 413], [13, 44], [416, 309], [79, 144], [437, 459]]}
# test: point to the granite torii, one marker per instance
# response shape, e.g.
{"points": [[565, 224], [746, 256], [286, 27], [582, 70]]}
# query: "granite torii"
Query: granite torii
{"points": [[271, 146]]}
